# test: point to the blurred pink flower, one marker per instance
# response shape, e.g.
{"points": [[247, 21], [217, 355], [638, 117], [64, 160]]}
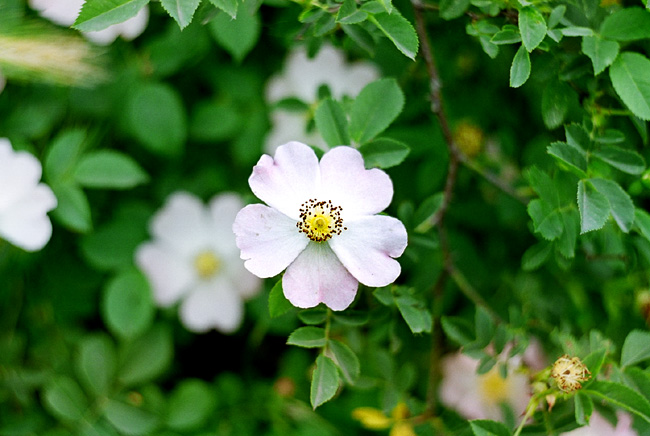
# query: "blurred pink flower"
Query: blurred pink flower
{"points": [[599, 426], [193, 258], [479, 396], [320, 225], [24, 202], [65, 13], [301, 78]]}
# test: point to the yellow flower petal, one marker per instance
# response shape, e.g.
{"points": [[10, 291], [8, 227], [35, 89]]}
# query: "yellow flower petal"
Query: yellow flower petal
{"points": [[371, 418], [402, 428]]}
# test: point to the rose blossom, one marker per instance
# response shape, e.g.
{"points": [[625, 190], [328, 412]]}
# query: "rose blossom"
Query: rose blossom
{"points": [[24, 202], [479, 396], [301, 78], [320, 224], [193, 258]]}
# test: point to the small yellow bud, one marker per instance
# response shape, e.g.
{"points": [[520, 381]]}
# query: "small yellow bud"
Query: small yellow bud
{"points": [[402, 428], [468, 138]]}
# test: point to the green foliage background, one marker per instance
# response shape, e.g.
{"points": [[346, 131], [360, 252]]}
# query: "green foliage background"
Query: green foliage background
{"points": [[540, 230]]}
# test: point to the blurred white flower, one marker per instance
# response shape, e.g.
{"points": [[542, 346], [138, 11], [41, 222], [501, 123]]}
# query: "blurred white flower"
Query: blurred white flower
{"points": [[301, 79], [599, 426], [193, 258], [24, 202], [65, 12], [480, 396]]}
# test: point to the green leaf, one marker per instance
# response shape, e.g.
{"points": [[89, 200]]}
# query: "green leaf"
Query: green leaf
{"points": [[484, 427], [99, 14], [450, 9], [111, 246], [73, 209], [556, 16], [314, 316], [349, 14], [638, 379], [308, 337], [593, 206], [458, 329], [423, 218], [156, 118], [237, 36], [64, 399], [332, 123], [147, 357], [181, 11], [127, 305], [360, 36], [627, 161], [574, 160], [384, 153], [278, 304], [376, 106], [190, 405], [627, 24], [636, 348], [228, 6], [577, 137], [414, 312], [63, 154], [555, 103], [520, 68], [629, 75], [109, 169], [577, 31], [601, 52], [508, 35], [594, 361], [532, 27], [484, 326], [621, 396], [566, 244], [536, 256], [324, 381], [642, 222], [399, 30], [347, 361], [128, 419], [620, 203], [96, 363], [584, 407]]}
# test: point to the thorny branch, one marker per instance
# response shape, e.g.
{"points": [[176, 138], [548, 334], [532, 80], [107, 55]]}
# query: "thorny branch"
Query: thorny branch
{"points": [[456, 157]]}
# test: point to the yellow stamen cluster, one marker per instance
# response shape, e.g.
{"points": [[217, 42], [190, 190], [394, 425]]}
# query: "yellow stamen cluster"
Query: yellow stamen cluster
{"points": [[568, 372], [320, 220], [207, 264]]}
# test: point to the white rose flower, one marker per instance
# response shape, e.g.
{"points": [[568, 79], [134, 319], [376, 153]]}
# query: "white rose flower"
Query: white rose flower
{"points": [[193, 259], [301, 79], [24, 202]]}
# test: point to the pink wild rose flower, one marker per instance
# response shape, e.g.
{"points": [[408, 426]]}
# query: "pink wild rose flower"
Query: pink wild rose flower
{"points": [[320, 223]]}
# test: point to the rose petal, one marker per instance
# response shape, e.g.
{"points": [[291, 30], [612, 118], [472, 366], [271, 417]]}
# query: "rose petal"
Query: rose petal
{"points": [[26, 224], [246, 284], [223, 210], [290, 126], [170, 275], [348, 184], [317, 276], [368, 246], [287, 180], [20, 172], [183, 223], [213, 304], [269, 241]]}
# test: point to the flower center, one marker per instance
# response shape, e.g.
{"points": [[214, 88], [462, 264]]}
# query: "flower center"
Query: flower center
{"points": [[320, 220], [207, 264], [494, 388]]}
